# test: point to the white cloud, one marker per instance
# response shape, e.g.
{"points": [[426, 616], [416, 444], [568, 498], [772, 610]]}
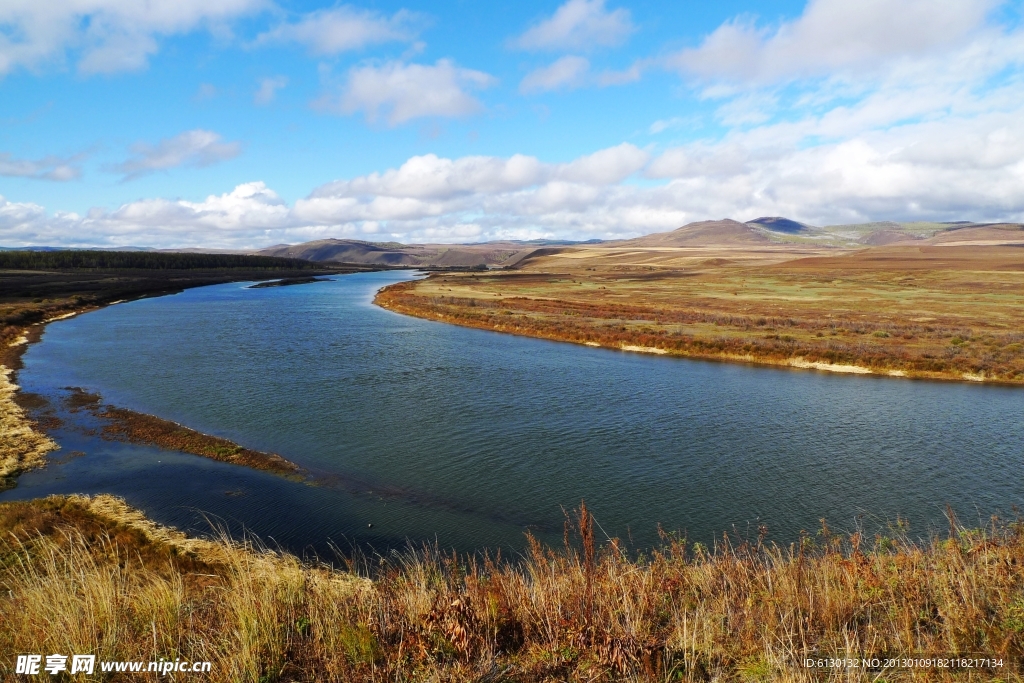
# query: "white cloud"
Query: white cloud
{"points": [[220, 221], [831, 36], [104, 36], [205, 91], [628, 75], [427, 198], [402, 92], [966, 166], [960, 168], [267, 91], [47, 168], [661, 125], [431, 177], [197, 148], [578, 25], [607, 166], [571, 72], [937, 135], [564, 74], [345, 28], [969, 167]]}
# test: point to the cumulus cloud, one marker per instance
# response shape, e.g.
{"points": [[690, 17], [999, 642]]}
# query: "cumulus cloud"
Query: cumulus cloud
{"points": [[571, 72], [103, 36], [197, 148], [401, 92], [345, 28], [969, 165], [220, 220], [932, 134], [564, 74], [432, 177], [607, 166], [47, 168], [661, 125], [578, 25], [267, 91], [628, 75], [962, 167], [426, 198], [831, 36]]}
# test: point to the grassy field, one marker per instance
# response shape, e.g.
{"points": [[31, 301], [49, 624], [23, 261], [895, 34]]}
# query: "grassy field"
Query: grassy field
{"points": [[91, 576], [943, 312]]}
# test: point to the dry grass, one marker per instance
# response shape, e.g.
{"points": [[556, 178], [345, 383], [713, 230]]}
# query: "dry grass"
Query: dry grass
{"points": [[935, 312], [91, 576], [22, 447]]}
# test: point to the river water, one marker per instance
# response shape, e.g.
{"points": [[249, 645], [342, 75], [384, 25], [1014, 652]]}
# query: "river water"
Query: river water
{"points": [[431, 432]]}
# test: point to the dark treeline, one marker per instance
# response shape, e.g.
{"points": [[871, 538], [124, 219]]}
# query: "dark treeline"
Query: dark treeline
{"points": [[144, 260]]}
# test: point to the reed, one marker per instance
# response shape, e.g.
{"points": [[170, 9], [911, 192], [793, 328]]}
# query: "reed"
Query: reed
{"points": [[90, 575]]}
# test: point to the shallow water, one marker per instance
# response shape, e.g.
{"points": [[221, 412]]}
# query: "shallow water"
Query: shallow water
{"points": [[434, 432]]}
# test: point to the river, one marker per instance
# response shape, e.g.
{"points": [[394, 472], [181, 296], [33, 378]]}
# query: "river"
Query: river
{"points": [[426, 432]]}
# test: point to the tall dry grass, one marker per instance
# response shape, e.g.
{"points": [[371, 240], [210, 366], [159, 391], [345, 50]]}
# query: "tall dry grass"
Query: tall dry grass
{"points": [[79, 577], [22, 446]]}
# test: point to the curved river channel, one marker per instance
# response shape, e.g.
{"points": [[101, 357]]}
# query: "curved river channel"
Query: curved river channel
{"points": [[431, 432]]}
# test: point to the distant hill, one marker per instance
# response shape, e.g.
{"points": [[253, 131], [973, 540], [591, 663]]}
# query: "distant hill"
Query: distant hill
{"points": [[513, 253], [702, 233], [981, 233], [414, 255], [780, 224], [345, 251], [923, 232]]}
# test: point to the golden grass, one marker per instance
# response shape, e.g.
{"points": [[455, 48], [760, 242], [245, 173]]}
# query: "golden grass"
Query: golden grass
{"points": [[22, 447], [92, 576]]}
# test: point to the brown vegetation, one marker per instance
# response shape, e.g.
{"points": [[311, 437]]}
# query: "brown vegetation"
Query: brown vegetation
{"points": [[22, 446], [932, 311], [122, 424], [80, 575]]}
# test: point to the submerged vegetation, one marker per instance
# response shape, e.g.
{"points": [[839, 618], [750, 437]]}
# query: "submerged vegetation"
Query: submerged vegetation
{"points": [[90, 575], [122, 424]]}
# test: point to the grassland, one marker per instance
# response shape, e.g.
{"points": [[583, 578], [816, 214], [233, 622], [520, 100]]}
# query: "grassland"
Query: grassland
{"points": [[940, 312], [90, 575]]}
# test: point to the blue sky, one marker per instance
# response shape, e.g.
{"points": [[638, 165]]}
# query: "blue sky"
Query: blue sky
{"points": [[245, 123]]}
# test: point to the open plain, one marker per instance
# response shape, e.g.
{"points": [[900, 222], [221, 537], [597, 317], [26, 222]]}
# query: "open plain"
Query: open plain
{"points": [[948, 307]]}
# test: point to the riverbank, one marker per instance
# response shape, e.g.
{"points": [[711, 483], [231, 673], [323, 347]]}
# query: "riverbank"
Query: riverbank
{"points": [[949, 313], [43, 287], [106, 581]]}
